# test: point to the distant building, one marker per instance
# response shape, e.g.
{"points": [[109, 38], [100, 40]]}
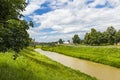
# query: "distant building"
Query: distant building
{"points": [[66, 42]]}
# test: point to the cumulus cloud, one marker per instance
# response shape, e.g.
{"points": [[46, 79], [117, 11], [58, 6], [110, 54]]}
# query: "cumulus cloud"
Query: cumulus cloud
{"points": [[33, 6], [98, 2], [70, 17]]}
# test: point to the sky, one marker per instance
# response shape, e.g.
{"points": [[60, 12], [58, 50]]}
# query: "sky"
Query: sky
{"points": [[55, 19]]}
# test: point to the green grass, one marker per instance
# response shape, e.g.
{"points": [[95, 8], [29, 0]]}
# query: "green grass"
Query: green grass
{"points": [[109, 55], [30, 65]]}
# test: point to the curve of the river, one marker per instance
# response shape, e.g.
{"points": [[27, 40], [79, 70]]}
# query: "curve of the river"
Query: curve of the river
{"points": [[100, 71]]}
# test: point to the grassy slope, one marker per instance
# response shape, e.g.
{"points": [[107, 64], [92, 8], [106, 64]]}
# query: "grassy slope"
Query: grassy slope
{"points": [[32, 66], [104, 55]]}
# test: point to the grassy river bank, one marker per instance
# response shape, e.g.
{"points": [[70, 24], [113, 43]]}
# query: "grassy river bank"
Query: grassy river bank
{"points": [[31, 65], [109, 55]]}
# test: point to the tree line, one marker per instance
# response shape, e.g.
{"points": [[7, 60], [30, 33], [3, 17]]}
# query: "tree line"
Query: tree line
{"points": [[109, 37]]}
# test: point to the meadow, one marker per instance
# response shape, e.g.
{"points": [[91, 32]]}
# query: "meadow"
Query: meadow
{"points": [[109, 55], [31, 65]]}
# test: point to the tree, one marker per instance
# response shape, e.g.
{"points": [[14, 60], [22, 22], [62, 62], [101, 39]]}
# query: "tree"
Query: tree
{"points": [[93, 38], [111, 35], [13, 30], [104, 38], [60, 41], [76, 39], [11, 9], [87, 38], [117, 37], [31, 24]]}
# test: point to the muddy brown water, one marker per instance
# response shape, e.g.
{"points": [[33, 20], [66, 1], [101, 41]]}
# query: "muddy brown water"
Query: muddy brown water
{"points": [[100, 71]]}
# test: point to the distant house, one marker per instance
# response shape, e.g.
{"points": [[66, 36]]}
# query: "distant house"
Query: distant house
{"points": [[66, 42]]}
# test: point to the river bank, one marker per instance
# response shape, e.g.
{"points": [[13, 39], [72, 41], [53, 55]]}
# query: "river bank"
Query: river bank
{"points": [[100, 71], [31, 65], [101, 54]]}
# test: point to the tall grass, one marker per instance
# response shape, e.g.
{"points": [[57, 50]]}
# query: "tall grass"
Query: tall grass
{"points": [[105, 54], [30, 65]]}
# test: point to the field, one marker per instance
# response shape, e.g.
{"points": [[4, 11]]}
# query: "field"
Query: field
{"points": [[109, 55], [30, 65]]}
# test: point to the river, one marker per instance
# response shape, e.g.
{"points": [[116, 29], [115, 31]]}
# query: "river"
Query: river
{"points": [[100, 71]]}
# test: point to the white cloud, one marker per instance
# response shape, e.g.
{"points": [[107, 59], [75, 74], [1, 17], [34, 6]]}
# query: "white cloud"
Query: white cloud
{"points": [[98, 2], [114, 2], [75, 17], [33, 6]]}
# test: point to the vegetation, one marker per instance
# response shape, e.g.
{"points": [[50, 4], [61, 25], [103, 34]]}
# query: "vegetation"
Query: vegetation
{"points": [[96, 38], [13, 30], [60, 41], [32, 66], [117, 36], [76, 39], [100, 54], [110, 36]]}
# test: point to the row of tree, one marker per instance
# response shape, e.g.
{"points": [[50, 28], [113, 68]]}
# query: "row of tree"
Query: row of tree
{"points": [[109, 37], [13, 30]]}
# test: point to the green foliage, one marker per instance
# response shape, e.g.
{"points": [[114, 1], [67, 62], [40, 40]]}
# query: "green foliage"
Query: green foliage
{"points": [[60, 41], [109, 55], [11, 9], [86, 38], [110, 36], [76, 39], [104, 39], [93, 38], [30, 65], [117, 37], [31, 24], [13, 34]]}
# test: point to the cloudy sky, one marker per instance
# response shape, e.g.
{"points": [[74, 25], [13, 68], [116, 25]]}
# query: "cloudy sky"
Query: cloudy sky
{"points": [[54, 19]]}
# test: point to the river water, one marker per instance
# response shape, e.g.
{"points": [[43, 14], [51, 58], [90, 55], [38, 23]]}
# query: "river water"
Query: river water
{"points": [[100, 71]]}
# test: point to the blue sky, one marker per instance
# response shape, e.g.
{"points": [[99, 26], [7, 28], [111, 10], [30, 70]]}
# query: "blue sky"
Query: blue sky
{"points": [[55, 19]]}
